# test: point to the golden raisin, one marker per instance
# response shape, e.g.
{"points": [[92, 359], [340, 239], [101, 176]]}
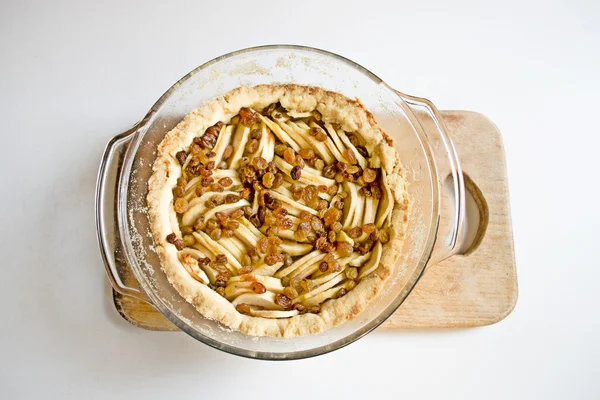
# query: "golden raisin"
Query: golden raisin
{"points": [[228, 233], [188, 240], [246, 269], [236, 214], [331, 216], [336, 226], [369, 175], [289, 155], [258, 288], [186, 230], [178, 191], [247, 116], [369, 228], [227, 152], [171, 237], [321, 136], [278, 180], [243, 308], [252, 146], [259, 163], [232, 198], [306, 154], [280, 149], [200, 191], [331, 236], [323, 267], [225, 182], [268, 179], [300, 235], [344, 248], [355, 232], [319, 164], [290, 292], [262, 245], [352, 273], [181, 205], [216, 234], [283, 301]]}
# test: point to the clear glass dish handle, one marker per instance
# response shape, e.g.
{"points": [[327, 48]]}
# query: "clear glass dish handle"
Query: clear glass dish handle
{"points": [[109, 239], [451, 186]]}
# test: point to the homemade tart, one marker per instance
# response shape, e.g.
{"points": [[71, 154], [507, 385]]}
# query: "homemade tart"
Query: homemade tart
{"points": [[278, 210]]}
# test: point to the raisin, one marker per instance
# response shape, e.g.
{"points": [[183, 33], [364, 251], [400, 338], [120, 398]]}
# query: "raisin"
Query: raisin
{"points": [[344, 248], [252, 146], [259, 163], [243, 308], [278, 180], [369, 175], [181, 205], [296, 173], [323, 267], [236, 214], [321, 136], [178, 244], [181, 157], [290, 292], [258, 288], [216, 234], [247, 116], [369, 228], [319, 164], [365, 191], [171, 237], [232, 198], [178, 191], [329, 171], [289, 155], [355, 232], [283, 301], [280, 149]]}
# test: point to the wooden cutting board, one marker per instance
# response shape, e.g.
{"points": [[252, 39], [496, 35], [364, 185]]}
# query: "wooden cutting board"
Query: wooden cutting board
{"points": [[475, 289]]}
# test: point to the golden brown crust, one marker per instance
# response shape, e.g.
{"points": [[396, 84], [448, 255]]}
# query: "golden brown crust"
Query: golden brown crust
{"points": [[335, 108]]}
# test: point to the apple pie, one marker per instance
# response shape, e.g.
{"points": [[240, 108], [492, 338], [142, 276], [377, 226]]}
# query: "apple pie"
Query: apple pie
{"points": [[278, 210]]}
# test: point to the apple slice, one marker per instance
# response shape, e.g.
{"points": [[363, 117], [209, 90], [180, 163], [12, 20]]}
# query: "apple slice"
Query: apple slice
{"points": [[319, 147], [373, 262], [350, 204], [280, 133], [224, 208], [272, 313], [295, 249], [209, 271], [311, 257], [386, 204], [265, 300], [306, 176], [320, 289], [190, 264], [222, 142], [360, 260], [242, 134], [233, 264], [292, 203], [359, 157], [261, 268]]}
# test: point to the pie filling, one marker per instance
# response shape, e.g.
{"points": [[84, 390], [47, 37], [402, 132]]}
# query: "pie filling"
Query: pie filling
{"points": [[279, 212]]}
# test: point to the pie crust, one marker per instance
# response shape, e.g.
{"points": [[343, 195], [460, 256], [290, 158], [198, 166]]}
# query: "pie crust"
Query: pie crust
{"points": [[352, 117]]}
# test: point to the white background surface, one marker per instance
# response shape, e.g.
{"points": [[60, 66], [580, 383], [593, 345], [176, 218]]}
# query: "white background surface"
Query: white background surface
{"points": [[72, 74]]}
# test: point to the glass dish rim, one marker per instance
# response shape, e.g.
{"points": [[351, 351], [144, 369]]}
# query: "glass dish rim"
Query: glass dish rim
{"points": [[124, 225]]}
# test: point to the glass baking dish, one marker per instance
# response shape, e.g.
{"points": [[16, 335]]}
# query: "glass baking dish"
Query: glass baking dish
{"points": [[435, 185]]}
